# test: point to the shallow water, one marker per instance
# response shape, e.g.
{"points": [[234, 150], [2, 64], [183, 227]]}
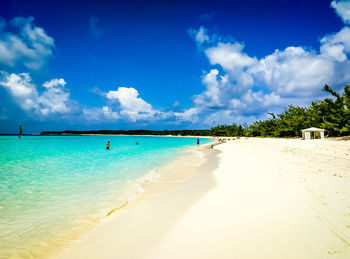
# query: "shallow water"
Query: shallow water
{"points": [[53, 186]]}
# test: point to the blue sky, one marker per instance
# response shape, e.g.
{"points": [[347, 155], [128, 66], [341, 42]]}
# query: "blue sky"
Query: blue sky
{"points": [[165, 64]]}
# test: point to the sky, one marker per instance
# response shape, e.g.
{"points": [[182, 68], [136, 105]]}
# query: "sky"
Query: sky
{"points": [[89, 65]]}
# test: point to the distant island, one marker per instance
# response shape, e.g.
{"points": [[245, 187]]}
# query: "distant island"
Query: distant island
{"points": [[131, 132]]}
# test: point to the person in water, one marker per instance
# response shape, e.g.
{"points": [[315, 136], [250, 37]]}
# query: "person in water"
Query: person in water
{"points": [[197, 141], [108, 144]]}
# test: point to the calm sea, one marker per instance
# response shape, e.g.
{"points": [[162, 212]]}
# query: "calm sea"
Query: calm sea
{"points": [[53, 186]]}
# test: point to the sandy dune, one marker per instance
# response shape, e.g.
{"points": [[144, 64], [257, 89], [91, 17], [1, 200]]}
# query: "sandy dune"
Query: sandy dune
{"points": [[255, 198]]}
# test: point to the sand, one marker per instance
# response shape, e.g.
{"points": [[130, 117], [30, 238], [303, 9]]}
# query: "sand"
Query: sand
{"points": [[253, 198]]}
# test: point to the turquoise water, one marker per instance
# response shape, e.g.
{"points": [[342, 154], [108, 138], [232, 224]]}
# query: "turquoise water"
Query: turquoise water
{"points": [[54, 186]]}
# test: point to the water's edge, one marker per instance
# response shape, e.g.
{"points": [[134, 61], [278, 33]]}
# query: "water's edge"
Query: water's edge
{"points": [[198, 181], [158, 181]]}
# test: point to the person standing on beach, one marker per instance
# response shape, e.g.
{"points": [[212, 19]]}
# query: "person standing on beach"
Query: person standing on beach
{"points": [[197, 141], [108, 144]]}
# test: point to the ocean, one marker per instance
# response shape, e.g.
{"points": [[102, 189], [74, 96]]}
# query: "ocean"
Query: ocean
{"points": [[53, 188]]}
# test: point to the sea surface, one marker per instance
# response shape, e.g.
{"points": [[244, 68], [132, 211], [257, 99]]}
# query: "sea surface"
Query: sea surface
{"points": [[54, 187]]}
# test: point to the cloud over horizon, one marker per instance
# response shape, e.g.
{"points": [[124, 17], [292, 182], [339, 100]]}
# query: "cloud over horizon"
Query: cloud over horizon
{"points": [[54, 98], [245, 88], [124, 104]]}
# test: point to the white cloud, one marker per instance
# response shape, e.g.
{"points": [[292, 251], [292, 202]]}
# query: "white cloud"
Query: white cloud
{"points": [[293, 72], [200, 35], [19, 85], [53, 100], [125, 104], [30, 46], [109, 113], [336, 45], [233, 60], [254, 101], [214, 90], [54, 83], [190, 114], [94, 114], [132, 107], [248, 87], [229, 56], [342, 8]]}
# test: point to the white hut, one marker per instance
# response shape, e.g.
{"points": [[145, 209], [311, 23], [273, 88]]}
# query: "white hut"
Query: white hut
{"points": [[313, 133]]}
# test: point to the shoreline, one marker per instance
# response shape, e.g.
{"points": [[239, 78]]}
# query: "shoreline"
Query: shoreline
{"points": [[162, 176], [166, 179], [253, 198]]}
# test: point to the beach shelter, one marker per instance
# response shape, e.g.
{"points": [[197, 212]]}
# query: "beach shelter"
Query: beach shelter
{"points": [[313, 133]]}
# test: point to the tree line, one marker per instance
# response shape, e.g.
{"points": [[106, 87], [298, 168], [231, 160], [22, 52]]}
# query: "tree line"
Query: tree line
{"points": [[331, 114]]}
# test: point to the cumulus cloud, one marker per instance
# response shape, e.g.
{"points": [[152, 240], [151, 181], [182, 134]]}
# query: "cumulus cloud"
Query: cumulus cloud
{"points": [[293, 72], [124, 104], [233, 60], [132, 107], [246, 87], [230, 56], [200, 35], [190, 114], [54, 82], [54, 98], [28, 45], [216, 87], [98, 114], [342, 8], [337, 45]]}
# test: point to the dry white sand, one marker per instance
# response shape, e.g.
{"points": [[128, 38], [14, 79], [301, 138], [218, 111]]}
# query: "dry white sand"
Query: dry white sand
{"points": [[255, 198]]}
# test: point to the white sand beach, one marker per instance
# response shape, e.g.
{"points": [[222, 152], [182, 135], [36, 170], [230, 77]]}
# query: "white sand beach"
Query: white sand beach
{"points": [[253, 198]]}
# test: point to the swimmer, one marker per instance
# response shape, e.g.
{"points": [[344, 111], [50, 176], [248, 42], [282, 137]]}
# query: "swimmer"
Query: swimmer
{"points": [[108, 144], [197, 141], [137, 142]]}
